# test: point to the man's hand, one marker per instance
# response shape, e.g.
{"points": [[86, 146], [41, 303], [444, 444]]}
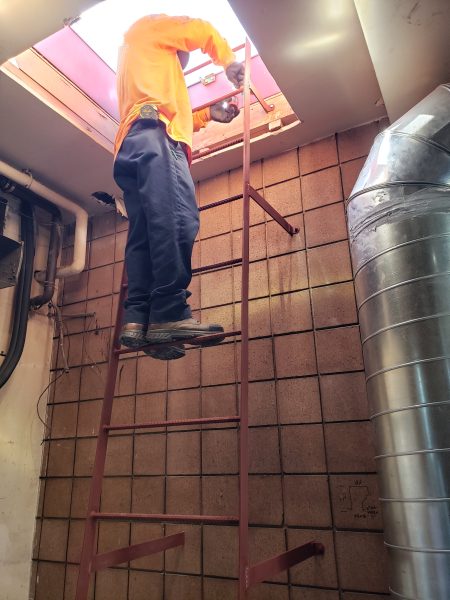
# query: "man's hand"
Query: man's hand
{"points": [[235, 73], [224, 112]]}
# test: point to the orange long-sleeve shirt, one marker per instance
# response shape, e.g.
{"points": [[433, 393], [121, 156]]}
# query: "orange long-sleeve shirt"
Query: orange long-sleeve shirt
{"points": [[149, 72]]}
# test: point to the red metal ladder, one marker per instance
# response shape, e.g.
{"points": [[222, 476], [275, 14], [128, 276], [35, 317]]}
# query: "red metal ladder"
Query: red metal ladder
{"points": [[248, 575]]}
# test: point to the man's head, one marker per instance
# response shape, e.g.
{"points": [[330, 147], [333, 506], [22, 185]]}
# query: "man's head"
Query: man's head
{"points": [[183, 57]]}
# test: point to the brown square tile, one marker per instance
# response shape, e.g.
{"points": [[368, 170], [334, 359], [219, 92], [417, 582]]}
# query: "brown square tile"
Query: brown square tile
{"points": [[126, 377], [216, 290], [67, 387], [149, 454], [280, 167], [258, 280], [151, 375], [262, 403], [299, 400], [344, 397], [257, 214], [219, 589], [356, 142], [257, 243], [220, 451], [185, 373], [102, 251], [182, 587], [150, 407], [73, 325], [222, 315], [117, 276], [356, 502], [49, 581], [103, 224], [116, 494], [339, 350], [195, 259], [265, 543], [93, 380], [121, 242], [194, 288], [281, 242], [121, 223], [143, 532], [113, 535], [284, 197], [294, 355], [53, 539], [299, 593], [317, 570], [64, 420], [147, 495], [75, 288], [73, 346], [89, 418], [184, 404], [112, 583], [356, 596], [350, 172], [71, 584], [214, 189], [216, 249], [329, 264], [122, 413], [220, 551], [255, 177], [321, 188], [102, 307], [220, 495], [119, 456], [260, 356], [362, 561], [350, 447], [303, 449], [288, 273], [60, 458], [183, 495], [215, 221], [218, 365], [144, 585], [318, 155], [265, 500], [219, 401], [264, 452], [325, 225], [291, 312], [80, 497], [57, 497], [269, 591], [100, 281], [84, 456], [307, 500], [187, 558], [183, 453], [334, 305], [96, 346]]}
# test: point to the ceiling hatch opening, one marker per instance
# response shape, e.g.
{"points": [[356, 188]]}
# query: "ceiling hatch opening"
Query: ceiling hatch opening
{"points": [[73, 71]]}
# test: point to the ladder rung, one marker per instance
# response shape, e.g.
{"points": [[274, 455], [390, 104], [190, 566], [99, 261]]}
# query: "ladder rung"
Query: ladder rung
{"points": [[220, 202], [213, 519], [220, 265], [174, 423], [191, 341]]}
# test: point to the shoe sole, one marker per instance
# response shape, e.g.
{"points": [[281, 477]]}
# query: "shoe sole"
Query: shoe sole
{"points": [[158, 336], [136, 339], [133, 339], [167, 353]]}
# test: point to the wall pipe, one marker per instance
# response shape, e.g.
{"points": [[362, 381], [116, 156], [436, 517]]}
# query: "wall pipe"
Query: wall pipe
{"points": [[81, 216], [50, 271], [399, 227]]}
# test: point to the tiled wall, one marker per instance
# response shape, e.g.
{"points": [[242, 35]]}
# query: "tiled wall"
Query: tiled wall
{"points": [[311, 444]]}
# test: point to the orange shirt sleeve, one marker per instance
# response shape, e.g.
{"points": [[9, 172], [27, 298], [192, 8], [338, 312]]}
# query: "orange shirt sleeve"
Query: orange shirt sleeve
{"points": [[184, 33], [201, 118]]}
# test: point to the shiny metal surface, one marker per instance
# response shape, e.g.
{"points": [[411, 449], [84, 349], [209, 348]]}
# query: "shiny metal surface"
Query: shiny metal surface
{"points": [[399, 225]]}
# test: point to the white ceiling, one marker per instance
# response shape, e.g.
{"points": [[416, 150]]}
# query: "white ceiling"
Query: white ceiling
{"points": [[315, 49]]}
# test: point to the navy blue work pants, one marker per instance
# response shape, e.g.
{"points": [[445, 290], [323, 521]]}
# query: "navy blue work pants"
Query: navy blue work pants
{"points": [[153, 172]]}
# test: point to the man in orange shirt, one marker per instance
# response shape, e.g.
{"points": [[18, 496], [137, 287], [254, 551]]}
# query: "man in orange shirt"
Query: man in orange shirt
{"points": [[153, 149]]}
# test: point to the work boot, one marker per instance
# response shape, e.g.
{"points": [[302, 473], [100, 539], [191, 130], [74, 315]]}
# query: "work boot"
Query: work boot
{"points": [[183, 330], [133, 335]]}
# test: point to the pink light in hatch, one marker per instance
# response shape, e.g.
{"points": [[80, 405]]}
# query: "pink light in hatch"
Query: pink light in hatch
{"points": [[79, 63]]}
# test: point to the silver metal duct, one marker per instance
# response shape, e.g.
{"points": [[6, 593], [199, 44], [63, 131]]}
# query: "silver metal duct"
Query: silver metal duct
{"points": [[399, 225]]}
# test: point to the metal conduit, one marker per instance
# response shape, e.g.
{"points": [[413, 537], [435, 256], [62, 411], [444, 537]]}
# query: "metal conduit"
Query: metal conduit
{"points": [[399, 226]]}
